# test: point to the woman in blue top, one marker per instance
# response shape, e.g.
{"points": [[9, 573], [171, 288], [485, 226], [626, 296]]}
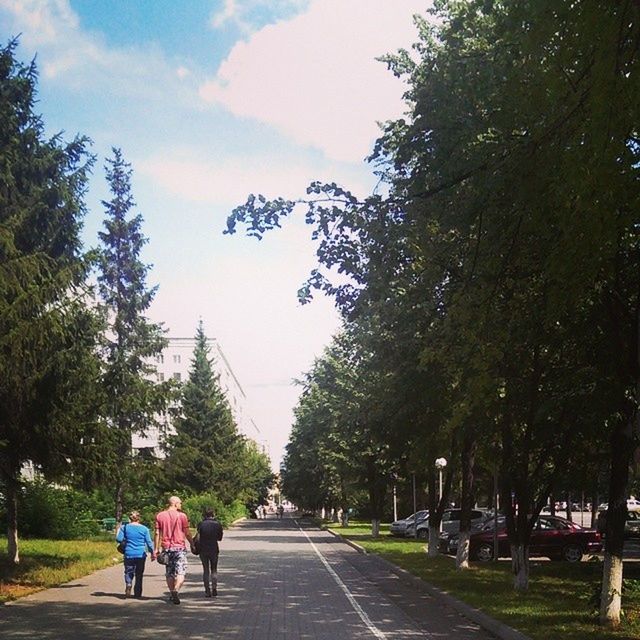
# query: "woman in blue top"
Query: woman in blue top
{"points": [[138, 540]]}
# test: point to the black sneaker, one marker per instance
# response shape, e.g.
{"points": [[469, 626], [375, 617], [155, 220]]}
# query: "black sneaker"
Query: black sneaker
{"points": [[174, 597], [214, 592]]}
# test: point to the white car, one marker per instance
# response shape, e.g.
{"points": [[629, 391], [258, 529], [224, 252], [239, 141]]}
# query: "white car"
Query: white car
{"points": [[399, 527]]}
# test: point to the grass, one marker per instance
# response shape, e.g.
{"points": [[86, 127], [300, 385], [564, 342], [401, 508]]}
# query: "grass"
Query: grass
{"points": [[49, 563], [557, 604]]}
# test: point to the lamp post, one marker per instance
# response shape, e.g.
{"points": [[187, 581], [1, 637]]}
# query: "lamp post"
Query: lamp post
{"points": [[441, 463]]}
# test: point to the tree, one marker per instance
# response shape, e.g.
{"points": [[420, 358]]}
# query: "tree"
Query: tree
{"points": [[48, 364], [133, 399], [206, 451]]}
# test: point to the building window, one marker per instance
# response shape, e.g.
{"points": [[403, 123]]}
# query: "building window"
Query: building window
{"points": [[161, 377], [176, 359], [160, 359], [177, 376]]}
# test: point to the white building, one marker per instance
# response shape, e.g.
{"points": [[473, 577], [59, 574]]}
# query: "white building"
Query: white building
{"points": [[175, 363]]}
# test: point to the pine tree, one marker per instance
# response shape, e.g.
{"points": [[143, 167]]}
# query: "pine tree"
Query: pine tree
{"points": [[48, 334], [134, 400], [206, 450]]}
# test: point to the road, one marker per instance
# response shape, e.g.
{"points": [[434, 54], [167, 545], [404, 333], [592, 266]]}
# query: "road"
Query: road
{"points": [[277, 581]]}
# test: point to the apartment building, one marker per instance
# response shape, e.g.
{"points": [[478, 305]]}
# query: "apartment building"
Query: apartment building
{"points": [[174, 363]]}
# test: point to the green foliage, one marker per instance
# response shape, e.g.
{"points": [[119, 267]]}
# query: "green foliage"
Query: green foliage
{"points": [[206, 453], [48, 361], [132, 399], [52, 512], [194, 507]]}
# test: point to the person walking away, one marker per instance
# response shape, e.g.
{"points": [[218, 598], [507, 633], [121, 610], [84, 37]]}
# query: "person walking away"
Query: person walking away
{"points": [[172, 528], [209, 535], [137, 539]]}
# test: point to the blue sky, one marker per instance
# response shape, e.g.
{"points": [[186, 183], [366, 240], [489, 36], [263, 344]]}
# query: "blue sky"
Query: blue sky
{"points": [[210, 101]]}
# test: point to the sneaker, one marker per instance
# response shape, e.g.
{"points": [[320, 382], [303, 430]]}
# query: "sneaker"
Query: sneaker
{"points": [[214, 592], [174, 597], [127, 591], [207, 593]]}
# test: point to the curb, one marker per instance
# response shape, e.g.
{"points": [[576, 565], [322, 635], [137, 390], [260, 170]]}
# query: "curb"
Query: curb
{"points": [[498, 629]]}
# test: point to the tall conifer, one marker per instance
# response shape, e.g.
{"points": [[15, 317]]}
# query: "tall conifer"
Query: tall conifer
{"points": [[206, 450], [134, 400], [47, 333]]}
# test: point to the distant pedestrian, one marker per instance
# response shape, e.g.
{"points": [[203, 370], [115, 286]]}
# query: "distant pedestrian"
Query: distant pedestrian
{"points": [[209, 535], [280, 511], [172, 528], [137, 539]]}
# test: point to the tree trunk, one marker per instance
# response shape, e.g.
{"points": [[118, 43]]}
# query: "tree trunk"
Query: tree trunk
{"points": [[462, 556], [569, 513], [434, 533], [469, 446], [13, 552], [119, 499], [621, 452], [375, 527], [520, 566], [611, 598]]}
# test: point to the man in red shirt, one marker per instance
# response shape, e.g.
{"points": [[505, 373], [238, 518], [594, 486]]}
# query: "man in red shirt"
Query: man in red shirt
{"points": [[172, 528]]}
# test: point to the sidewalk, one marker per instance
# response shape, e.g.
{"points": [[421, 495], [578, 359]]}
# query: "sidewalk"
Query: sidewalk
{"points": [[276, 582]]}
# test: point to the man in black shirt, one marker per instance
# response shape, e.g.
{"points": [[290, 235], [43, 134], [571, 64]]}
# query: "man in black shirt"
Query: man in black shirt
{"points": [[209, 534]]}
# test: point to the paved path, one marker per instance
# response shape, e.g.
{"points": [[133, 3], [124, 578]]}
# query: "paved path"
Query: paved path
{"points": [[276, 582]]}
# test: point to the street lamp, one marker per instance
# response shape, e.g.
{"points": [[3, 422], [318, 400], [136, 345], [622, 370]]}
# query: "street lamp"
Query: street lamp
{"points": [[441, 463]]}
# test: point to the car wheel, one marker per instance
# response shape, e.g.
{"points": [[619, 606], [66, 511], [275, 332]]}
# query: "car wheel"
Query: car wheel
{"points": [[572, 553], [485, 553], [423, 534]]}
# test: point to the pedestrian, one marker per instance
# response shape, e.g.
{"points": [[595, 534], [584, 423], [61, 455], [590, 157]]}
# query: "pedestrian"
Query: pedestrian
{"points": [[209, 535], [172, 528], [280, 511], [137, 540]]}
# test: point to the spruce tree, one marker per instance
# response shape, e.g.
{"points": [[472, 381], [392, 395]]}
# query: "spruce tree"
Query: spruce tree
{"points": [[205, 453], [48, 334], [133, 399]]}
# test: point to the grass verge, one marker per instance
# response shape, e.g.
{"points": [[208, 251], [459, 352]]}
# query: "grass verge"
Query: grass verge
{"points": [[49, 563], [557, 604]]}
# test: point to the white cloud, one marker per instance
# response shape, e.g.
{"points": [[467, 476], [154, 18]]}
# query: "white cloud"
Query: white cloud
{"points": [[247, 14], [229, 181], [228, 12], [81, 59], [315, 77]]}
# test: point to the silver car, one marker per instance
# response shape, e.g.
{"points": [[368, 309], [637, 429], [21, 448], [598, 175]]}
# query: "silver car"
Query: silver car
{"points": [[451, 522], [399, 527]]}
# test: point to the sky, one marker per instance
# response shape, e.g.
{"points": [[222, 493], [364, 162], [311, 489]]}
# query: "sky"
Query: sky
{"points": [[211, 100]]}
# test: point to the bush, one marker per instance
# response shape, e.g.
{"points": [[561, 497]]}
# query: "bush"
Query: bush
{"points": [[45, 511], [226, 514]]}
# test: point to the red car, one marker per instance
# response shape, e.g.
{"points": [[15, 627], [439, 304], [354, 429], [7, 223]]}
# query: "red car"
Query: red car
{"points": [[552, 537]]}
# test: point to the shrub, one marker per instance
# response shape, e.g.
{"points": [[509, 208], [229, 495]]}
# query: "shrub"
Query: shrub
{"points": [[46, 511]]}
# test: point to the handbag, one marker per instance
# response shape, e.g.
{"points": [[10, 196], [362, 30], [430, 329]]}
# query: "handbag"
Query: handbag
{"points": [[195, 545], [123, 545]]}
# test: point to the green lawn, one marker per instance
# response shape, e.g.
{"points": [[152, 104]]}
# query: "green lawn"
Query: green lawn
{"points": [[48, 563], [555, 607]]}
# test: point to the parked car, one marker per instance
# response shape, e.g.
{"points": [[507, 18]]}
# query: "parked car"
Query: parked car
{"points": [[451, 522], [448, 542], [552, 537], [631, 526], [399, 527]]}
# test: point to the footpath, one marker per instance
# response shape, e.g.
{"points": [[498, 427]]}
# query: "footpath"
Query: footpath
{"points": [[276, 582]]}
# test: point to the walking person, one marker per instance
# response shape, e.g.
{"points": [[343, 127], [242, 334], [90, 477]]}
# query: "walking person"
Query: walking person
{"points": [[137, 540], [209, 535], [172, 528]]}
